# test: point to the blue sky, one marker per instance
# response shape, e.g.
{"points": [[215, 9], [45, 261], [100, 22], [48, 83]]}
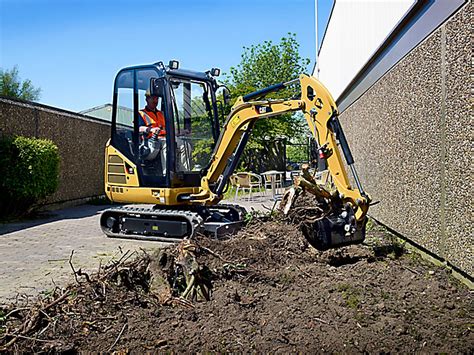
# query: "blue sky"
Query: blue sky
{"points": [[72, 49]]}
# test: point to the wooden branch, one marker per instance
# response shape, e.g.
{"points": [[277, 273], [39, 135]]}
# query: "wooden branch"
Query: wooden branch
{"points": [[314, 188], [118, 337]]}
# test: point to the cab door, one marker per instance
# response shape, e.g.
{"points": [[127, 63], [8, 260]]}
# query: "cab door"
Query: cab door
{"points": [[130, 87]]}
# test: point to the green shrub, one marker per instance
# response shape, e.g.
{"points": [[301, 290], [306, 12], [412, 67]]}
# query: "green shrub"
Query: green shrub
{"points": [[29, 168]]}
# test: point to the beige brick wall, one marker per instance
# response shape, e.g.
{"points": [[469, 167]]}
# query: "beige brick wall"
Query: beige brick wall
{"points": [[81, 142], [411, 136]]}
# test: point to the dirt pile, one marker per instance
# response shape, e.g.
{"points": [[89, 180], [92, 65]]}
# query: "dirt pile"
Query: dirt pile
{"points": [[269, 291]]}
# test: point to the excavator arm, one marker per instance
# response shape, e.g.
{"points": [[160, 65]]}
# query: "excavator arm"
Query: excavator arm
{"points": [[321, 115], [347, 224]]}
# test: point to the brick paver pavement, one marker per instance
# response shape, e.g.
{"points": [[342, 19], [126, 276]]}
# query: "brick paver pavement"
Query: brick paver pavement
{"points": [[34, 255]]}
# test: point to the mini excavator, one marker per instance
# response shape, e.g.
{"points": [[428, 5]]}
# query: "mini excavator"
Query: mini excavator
{"points": [[171, 186]]}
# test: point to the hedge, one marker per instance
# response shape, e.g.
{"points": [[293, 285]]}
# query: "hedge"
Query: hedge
{"points": [[29, 170]]}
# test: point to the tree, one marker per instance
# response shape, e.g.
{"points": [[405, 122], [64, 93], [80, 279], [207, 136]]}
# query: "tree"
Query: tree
{"points": [[263, 65], [12, 86]]}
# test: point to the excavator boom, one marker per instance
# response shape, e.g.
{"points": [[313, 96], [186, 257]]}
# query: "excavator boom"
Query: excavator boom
{"points": [[321, 115], [349, 205]]}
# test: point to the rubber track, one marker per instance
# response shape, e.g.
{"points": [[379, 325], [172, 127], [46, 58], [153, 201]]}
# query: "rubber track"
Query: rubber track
{"points": [[194, 219]]}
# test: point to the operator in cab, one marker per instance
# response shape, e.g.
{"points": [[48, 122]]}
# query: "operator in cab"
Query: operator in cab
{"points": [[153, 120], [152, 127]]}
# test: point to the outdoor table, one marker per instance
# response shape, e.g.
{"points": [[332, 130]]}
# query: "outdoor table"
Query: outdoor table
{"points": [[273, 176], [293, 174]]}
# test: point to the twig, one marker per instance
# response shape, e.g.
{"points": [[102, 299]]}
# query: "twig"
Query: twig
{"points": [[72, 267], [321, 320], [144, 251], [274, 205], [28, 338], [179, 301], [411, 270], [118, 336], [116, 264], [128, 257], [44, 329], [304, 272], [113, 263], [28, 324], [104, 291], [46, 314], [213, 253], [14, 311], [55, 302], [125, 300], [82, 273]]}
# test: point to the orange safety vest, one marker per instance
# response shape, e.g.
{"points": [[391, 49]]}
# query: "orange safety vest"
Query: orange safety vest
{"points": [[153, 120]]}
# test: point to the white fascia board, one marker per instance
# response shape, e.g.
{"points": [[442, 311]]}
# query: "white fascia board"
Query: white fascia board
{"points": [[355, 31]]}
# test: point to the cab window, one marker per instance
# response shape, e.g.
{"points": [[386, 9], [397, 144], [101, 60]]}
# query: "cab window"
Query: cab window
{"points": [[193, 125]]}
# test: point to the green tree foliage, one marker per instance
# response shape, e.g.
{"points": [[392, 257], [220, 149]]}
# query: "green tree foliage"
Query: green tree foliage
{"points": [[266, 64], [12, 86], [297, 152], [263, 65]]}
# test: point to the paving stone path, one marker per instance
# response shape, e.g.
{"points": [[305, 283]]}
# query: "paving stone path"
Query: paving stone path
{"points": [[34, 255]]}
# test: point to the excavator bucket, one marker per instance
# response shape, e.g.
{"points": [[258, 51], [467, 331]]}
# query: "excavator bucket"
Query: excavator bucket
{"points": [[326, 220]]}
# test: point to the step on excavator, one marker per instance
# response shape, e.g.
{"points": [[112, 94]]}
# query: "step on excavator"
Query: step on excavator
{"points": [[171, 184]]}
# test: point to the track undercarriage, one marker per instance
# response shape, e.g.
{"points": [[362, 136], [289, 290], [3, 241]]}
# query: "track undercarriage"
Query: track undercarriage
{"points": [[157, 223]]}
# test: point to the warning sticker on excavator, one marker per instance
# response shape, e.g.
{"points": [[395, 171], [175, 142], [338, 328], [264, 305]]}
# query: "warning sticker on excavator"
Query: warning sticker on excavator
{"points": [[235, 121]]}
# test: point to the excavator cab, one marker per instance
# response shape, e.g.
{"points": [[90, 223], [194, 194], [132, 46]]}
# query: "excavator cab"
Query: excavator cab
{"points": [[188, 102]]}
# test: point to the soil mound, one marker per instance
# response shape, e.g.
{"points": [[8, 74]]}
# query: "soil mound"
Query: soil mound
{"points": [[267, 291]]}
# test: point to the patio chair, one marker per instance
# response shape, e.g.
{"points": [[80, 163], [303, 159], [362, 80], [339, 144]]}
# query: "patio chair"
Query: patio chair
{"points": [[256, 182], [247, 181]]}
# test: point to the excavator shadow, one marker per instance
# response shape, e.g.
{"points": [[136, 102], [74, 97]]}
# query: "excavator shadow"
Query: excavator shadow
{"points": [[394, 250], [77, 212]]}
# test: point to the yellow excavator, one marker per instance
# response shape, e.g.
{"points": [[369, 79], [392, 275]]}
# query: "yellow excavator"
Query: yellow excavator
{"points": [[172, 185]]}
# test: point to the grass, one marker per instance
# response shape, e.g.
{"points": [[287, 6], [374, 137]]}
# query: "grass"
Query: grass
{"points": [[370, 225], [350, 294], [373, 226], [286, 279], [230, 193]]}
